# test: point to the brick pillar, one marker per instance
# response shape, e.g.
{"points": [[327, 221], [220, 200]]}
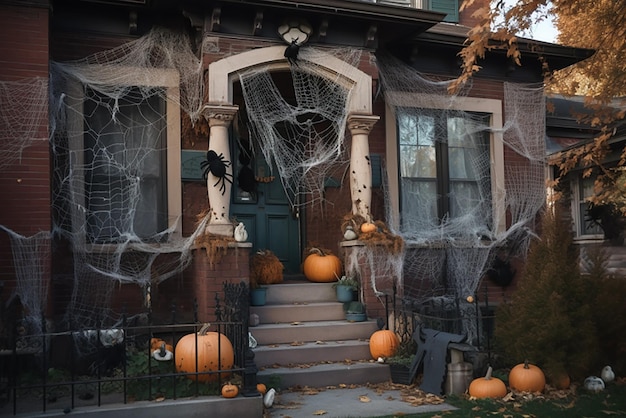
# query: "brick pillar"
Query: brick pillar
{"points": [[209, 277]]}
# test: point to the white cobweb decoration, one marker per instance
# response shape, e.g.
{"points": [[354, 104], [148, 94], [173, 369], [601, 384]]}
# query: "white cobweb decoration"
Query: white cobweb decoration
{"points": [[31, 260], [23, 111], [446, 259], [305, 137], [108, 132]]}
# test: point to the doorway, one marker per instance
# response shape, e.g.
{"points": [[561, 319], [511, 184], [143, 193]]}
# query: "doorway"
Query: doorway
{"points": [[272, 217]]}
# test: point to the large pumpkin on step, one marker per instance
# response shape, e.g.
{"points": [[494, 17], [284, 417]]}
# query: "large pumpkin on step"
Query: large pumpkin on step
{"points": [[384, 343], [209, 359], [321, 267]]}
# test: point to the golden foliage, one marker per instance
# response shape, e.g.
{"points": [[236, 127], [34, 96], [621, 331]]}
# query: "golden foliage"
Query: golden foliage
{"points": [[215, 245], [381, 237], [601, 77], [265, 268]]}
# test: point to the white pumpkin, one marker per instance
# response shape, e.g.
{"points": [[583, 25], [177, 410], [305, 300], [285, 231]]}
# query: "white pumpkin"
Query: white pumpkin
{"points": [[594, 384], [607, 374]]}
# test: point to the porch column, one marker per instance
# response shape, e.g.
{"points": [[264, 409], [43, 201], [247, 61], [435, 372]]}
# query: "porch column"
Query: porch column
{"points": [[360, 166], [220, 118]]}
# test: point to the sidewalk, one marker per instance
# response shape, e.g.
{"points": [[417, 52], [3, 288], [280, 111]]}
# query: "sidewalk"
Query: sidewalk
{"points": [[354, 401]]}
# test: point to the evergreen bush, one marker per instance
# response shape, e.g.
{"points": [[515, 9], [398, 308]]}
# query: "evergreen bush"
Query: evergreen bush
{"points": [[549, 319]]}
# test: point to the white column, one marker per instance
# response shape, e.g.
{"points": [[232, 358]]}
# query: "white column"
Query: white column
{"points": [[220, 118], [360, 165]]}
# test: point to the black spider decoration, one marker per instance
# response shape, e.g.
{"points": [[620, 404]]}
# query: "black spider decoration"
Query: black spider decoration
{"points": [[291, 52], [246, 179], [217, 165]]}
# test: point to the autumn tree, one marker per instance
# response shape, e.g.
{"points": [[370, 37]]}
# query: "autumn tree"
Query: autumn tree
{"points": [[594, 24]]}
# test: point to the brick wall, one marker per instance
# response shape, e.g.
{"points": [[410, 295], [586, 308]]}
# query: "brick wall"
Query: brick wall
{"points": [[466, 17], [207, 277], [24, 184]]}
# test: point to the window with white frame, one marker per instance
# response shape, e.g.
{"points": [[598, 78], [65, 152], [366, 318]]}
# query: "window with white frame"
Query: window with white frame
{"points": [[125, 161], [449, 160], [444, 173]]}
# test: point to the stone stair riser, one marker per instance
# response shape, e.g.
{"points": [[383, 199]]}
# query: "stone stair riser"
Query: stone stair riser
{"points": [[326, 311], [313, 331], [285, 354]]}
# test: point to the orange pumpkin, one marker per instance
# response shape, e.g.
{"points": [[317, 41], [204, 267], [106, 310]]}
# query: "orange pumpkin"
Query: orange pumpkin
{"points": [[321, 267], [261, 388], [561, 380], [368, 227], [527, 378], [155, 343], [384, 343], [229, 390], [487, 387], [208, 357]]}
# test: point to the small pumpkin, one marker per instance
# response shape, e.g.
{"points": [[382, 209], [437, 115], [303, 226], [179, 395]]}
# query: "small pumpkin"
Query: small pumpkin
{"points": [[321, 267], [208, 357], [155, 343], [261, 388], [368, 227], [487, 387], [229, 390], [527, 377], [383, 343], [561, 380]]}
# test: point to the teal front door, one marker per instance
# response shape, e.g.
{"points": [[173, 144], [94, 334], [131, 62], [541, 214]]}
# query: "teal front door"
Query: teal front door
{"points": [[272, 222]]}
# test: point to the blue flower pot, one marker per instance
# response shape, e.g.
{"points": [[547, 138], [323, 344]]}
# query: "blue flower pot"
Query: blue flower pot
{"points": [[258, 296], [344, 293]]}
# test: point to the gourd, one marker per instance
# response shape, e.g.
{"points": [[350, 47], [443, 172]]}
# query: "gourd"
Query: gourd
{"points": [[229, 390], [527, 377], [487, 387], [261, 388], [321, 267], [383, 343], [208, 357], [368, 227], [561, 380], [155, 343]]}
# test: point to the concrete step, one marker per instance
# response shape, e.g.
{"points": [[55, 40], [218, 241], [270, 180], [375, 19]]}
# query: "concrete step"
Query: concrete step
{"points": [[299, 311], [324, 375], [311, 352], [300, 291], [299, 331]]}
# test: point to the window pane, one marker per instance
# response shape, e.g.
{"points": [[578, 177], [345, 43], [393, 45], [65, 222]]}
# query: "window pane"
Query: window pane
{"points": [[448, 172], [586, 190], [419, 203], [417, 146], [125, 160]]}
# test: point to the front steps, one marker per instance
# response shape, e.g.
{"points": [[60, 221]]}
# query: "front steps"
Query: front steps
{"points": [[304, 339]]}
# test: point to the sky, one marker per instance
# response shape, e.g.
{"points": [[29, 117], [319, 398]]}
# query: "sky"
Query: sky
{"points": [[544, 31]]}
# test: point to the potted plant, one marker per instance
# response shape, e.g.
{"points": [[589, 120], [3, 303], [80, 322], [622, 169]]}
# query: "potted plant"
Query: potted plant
{"points": [[355, 312], [258, 294], [265, 268], [400, 368], [346, 288]]}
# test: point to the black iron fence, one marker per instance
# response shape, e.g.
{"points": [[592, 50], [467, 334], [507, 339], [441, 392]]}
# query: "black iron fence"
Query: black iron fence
{"points": [[447, 314], [132, 361]]}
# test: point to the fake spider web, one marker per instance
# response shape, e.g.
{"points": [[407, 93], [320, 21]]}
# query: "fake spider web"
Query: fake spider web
{"points": [[114, 243], [304, 136], [445, 259], [108, 119]]}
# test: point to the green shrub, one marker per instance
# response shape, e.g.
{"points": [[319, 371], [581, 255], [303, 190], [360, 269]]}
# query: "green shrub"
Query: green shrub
{"points": [[549, 319], [608, 312]]}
